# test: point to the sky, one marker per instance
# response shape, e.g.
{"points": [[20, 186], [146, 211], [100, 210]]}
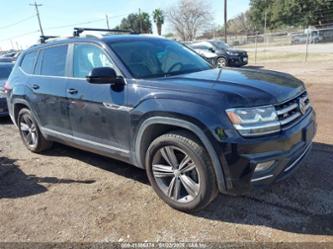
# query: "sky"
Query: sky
{"points": [[19, 26]]}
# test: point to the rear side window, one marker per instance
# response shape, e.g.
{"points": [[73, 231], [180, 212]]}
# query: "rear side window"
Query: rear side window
{"points": [[28, 62], [53, 61]]}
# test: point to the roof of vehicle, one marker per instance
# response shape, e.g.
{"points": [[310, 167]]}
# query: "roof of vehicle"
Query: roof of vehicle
{"points": [[106, 39], [117, 38]]}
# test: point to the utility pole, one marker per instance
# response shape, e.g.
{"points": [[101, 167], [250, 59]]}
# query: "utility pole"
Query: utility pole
{"points": [[140, 18], [107, 21], [225, 21], [38, 16], [265, 26]]}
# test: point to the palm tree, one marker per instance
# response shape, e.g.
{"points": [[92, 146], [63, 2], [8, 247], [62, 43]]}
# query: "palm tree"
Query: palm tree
{"points": [[158, 19]]}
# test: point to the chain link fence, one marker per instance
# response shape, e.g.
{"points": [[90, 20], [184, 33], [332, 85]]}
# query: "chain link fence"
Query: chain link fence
{"points": [[311, 44]]}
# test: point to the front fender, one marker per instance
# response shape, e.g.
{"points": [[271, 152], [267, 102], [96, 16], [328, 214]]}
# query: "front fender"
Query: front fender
{"points": [[199, 119], [203, 116]]}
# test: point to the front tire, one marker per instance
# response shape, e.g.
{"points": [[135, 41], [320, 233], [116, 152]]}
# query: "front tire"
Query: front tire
{"points": [[30, 132], [180, 171], [222, 62]]}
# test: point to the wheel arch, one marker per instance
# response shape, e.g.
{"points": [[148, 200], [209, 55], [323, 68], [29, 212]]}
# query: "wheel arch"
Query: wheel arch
{"points": [[18, 105], [156, 126]]}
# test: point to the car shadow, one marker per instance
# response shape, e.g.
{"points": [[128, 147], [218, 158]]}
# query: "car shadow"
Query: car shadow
{"points": [[5, 120], [303, 203], [253, 67], [101, 162], [14, 183]]}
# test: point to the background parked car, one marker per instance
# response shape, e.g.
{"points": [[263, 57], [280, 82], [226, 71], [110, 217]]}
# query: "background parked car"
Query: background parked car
{"points": [[301, 38], [206, 54], [5, 70], [10, 57], [224, 54]]}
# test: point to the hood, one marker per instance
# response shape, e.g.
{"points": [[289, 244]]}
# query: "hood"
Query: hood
{"points": [[205, 53], [242, 86], [242, 52]]}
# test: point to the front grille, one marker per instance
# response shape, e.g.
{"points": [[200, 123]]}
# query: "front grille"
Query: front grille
{"points": [[290, 112]]}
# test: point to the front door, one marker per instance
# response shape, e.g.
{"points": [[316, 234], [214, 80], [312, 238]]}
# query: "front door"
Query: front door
{"points": [[99, 117]]}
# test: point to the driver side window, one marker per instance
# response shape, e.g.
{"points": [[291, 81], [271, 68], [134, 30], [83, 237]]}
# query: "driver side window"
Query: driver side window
{"points": [[88, 57]]}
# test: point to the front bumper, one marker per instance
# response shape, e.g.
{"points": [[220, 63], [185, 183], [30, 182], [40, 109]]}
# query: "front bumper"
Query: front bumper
{"points": [[238, 60], [287, 150], [3, 107]]}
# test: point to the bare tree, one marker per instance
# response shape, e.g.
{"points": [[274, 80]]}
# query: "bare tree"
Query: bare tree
{"points": [[240, 24], [189, 17]]}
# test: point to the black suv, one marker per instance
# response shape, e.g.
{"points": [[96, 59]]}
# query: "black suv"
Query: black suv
{"points": [[224, 54], [5, 69], [156, 104]]}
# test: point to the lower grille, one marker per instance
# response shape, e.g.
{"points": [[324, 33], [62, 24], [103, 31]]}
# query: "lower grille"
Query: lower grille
{"points": [[291, 111]]}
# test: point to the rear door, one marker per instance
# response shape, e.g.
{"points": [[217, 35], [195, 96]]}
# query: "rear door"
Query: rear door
{"points": [[98, 113], [49, 88]]}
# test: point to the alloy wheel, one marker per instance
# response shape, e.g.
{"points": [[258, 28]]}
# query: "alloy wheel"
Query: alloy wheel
{"points": [[29, 131], [221, 62], [176, 174]]}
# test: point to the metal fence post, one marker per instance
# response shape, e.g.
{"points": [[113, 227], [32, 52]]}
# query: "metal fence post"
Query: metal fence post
{"points": [[256, 48], [307, 45]]}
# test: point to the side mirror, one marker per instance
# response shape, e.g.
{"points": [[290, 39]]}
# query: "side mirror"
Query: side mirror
{"points": [[104, 75], [211, 50]]}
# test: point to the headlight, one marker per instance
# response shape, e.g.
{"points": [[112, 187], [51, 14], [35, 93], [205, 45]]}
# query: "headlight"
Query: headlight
{"points": [[232, 53], [254, 121]]}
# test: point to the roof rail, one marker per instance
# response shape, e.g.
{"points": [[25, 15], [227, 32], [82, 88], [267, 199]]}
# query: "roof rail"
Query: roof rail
{"points": [[44, 38], [78, 31]]}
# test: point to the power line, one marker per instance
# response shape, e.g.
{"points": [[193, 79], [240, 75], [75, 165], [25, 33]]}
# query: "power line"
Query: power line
{"points": [[87, 22], [18, 22], [38, 16], [81, 23], [20, 35]]}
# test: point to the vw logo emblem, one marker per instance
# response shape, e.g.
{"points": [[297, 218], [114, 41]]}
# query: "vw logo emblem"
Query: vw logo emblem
{"points": [[302, 106]]}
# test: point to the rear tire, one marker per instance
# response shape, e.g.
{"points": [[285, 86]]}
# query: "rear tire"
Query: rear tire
{"points": [[30, 132], [180, 171]]}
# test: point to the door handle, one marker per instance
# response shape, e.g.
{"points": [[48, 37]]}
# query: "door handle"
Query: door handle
{"points": [[35, 86], [72, 91]]}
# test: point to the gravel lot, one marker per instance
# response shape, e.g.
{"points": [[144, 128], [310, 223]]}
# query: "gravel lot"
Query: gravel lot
{"points": [[71, 195]]}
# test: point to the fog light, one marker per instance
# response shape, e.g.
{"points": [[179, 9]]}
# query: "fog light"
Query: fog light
{"points": [[264, 166]]}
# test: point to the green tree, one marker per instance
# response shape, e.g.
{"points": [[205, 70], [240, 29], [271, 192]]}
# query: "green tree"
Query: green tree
{"points": [[280, 13], [158, 17], [139, 23]]}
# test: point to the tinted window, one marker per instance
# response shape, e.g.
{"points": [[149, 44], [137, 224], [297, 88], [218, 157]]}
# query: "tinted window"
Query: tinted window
{"points": [[5, 71], [158, 58], [87, 57], [220, 45], [28, 62], [53, 61]]}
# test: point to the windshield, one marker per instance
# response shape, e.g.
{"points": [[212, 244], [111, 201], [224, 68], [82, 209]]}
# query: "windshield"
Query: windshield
{"points": [[5, 71], [158, 58], [220, 44]]}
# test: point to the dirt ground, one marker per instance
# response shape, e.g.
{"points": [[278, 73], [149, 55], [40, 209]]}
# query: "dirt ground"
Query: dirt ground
{"points": [[71, 195]]}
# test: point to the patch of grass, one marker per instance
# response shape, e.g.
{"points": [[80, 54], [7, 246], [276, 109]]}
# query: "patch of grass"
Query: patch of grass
{"points": [[269, 56]]}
